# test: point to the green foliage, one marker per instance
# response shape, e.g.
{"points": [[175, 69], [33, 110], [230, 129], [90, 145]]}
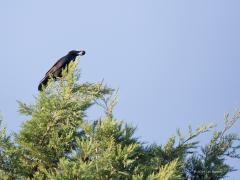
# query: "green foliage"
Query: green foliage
{"points": [[59, 142], [210, 164]]}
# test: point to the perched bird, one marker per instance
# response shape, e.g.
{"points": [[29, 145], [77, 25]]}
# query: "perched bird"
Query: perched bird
{"points": [[56, 70]]}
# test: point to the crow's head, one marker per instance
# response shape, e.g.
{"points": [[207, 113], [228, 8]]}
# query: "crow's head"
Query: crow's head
{"points": [[77, 53]]}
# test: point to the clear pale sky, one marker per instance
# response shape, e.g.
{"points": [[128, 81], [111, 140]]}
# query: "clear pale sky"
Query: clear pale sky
{"points": [[176, 63]]}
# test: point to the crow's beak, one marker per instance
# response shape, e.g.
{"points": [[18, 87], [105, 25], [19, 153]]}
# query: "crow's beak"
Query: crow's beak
{"points": [[81, 53]]}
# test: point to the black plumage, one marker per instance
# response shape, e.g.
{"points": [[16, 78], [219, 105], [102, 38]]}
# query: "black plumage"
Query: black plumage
{"points": [[56, 69]]}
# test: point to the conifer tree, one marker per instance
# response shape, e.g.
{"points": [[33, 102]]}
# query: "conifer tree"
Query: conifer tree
{"points": [[58, 141]]}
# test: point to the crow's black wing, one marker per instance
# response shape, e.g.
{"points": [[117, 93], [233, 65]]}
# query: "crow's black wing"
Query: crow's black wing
{"points": [[58, 65]]}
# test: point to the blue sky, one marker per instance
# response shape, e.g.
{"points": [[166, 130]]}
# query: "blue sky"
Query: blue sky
{"points": [[175, 62]]}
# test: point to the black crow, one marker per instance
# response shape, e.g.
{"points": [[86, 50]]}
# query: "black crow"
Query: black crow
{"points": [[56, 70]]}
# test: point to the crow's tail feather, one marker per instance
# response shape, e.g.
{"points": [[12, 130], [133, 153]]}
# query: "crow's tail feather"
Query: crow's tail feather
{"points": [[43, 82]]}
